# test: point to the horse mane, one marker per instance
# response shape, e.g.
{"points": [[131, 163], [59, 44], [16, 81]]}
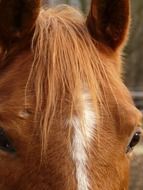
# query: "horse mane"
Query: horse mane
{"points": [[58, 74]]}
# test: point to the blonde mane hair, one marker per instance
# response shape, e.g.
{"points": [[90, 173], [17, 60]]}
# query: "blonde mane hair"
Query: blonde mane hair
{"points": [[66, 62]]}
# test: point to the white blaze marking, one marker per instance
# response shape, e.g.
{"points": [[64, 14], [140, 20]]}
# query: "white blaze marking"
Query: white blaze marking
{"points": [[81, 142]]}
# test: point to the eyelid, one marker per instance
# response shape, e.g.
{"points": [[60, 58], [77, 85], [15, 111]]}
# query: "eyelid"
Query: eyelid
{"points": [[140, 129], [137, 129]]}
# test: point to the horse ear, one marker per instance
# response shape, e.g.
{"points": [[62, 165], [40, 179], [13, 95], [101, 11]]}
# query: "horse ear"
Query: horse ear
{"points": [[108, 21], [17, 17]]}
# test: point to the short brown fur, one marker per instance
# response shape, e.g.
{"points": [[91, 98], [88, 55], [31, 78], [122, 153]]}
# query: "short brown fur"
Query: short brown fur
{"points": [[43, 76]]}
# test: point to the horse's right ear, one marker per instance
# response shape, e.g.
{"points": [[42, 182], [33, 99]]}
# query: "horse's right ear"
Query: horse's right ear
{"points": [[108, 22], [17, 17]]}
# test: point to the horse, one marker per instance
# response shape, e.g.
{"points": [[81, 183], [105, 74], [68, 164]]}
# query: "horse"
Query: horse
{"points": [[67, 121]]}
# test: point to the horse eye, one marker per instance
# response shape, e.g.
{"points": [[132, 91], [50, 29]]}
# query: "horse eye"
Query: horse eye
{"points": [[5, 144], [134, 141]]}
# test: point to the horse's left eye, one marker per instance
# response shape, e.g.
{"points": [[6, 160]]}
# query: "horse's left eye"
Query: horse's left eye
{"points": [[5, 144], [134, 141]]}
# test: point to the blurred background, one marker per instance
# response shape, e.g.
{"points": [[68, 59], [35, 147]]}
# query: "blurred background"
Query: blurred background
{"points": [[133, 75]]}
